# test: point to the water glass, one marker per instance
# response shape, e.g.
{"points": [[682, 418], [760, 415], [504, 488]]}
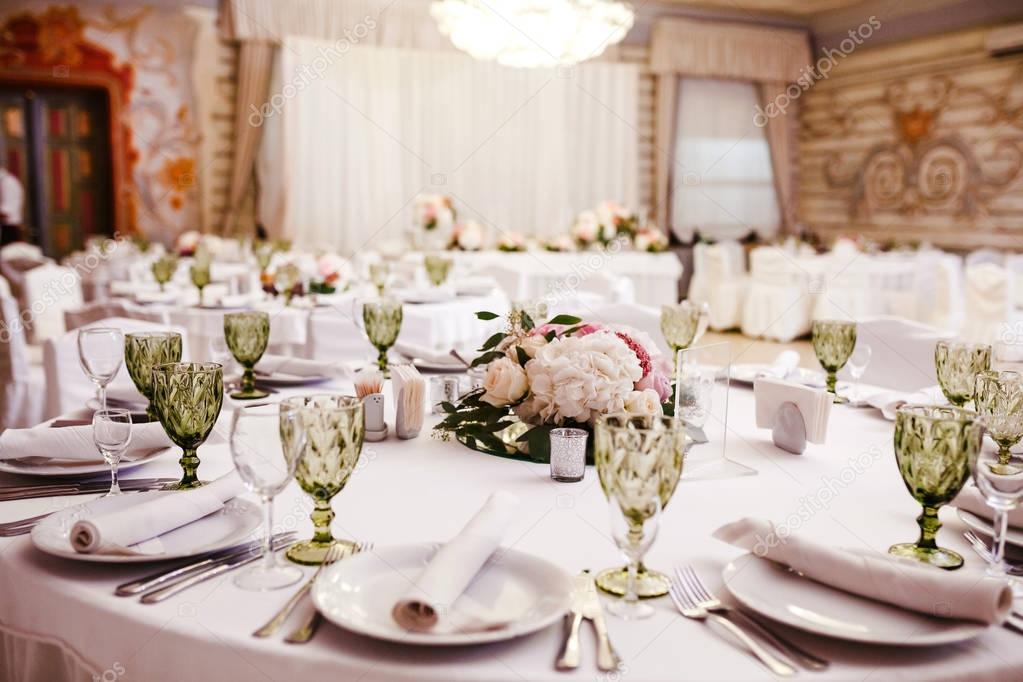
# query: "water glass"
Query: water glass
{"points": [[933, 448], [957, 365], [111, 432], [568, 454], [437, 268], [998, 397], [188, 398], [101, 352], [145, 350], [247, 335], [266, 461], [833, 343], [857, 363]]}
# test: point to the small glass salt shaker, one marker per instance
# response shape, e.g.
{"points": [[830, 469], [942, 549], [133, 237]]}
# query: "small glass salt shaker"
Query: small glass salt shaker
{"points": [[568, 454]]}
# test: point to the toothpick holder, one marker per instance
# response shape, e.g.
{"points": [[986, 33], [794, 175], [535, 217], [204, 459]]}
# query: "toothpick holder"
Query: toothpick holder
{"points": [[373, 411], [789, 431]]}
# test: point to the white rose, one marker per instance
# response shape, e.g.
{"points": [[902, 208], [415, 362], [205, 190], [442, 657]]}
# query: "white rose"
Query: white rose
{"points": [[470, 236], [645, 402], [505, 383], [532, 343], [587, 227]]}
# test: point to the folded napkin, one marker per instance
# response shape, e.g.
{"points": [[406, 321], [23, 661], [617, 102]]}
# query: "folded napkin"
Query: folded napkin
{"points": [[274, 364], [168, 296], [814, 404], [431, 355], [409, 388], [970, 499], [783, 365], [126, 530], [890, 401], [75, 442], [904, 583], [426, 607], [228, 300], [125, 395]]}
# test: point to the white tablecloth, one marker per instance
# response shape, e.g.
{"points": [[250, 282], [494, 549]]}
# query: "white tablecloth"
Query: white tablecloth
{"points": [[847, 492]]}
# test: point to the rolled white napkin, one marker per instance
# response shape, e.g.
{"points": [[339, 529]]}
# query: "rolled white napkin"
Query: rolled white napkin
{"points": [[783, 365], [970, 499], [453, 567], [75, 442], [274, 364], [904, 583], [814, 405], [125, 531]]}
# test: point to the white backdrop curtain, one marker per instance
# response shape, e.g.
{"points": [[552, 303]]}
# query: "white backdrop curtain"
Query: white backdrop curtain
{"points": [[516, 149]]}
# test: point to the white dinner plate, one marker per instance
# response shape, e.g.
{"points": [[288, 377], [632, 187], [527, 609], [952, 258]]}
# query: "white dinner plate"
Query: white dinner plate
{"points": [[284, 380], [431, 295], [136, 410], [45, 466], [359, 592], [747, 373], [230, 526], [774, 591], [434, 366], [1013, 536]]}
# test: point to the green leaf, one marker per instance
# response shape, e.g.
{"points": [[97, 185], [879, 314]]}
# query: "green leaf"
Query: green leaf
{"points": [[565, 319], [550, 336], [573, 330], [487, 358], [527, 321], [493, 341], [486, 315], [522, 355]]}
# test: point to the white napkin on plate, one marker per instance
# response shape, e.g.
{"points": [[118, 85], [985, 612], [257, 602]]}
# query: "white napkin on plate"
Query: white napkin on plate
{"points": [[126, 531], [426, 605], [783, 365], [970, 499], [905, 583], [890, 401], [301, 367], [431, 355], [75, 442], [814, 405]]}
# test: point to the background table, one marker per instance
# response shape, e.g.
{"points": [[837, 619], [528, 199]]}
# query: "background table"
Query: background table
{"points": [[848, 493]]}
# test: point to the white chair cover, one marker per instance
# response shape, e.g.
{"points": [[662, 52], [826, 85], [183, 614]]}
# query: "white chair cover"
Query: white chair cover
{"points": [[902, 353], [99, 310], [719, 280], [22, 251], [21, 399], [988, 302], [778, 305], [67, 387], [1014, 264], [981, 256], [50, 290]]}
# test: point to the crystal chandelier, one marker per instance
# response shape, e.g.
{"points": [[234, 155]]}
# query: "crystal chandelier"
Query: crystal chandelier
{"points": [[533, 33]]}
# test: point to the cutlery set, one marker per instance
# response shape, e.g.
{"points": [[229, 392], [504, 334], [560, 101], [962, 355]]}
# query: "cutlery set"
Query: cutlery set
{"points": [[586, 606], [981, 548]]}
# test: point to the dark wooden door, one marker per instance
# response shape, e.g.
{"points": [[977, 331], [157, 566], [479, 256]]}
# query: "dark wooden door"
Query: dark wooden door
{"points": [[61, 139]]}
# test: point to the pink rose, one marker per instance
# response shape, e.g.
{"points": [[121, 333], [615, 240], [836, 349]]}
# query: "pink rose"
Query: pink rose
{"points": [[656, 381]]}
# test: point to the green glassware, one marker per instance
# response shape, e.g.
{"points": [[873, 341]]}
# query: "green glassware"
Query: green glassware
{"points": [[437, 268], [683, 324], [246, 335], [833, 342], [957, 365], [379, 273], [188, 397], [164, 268], [635, 455], [382, 320], [142, 352], [999, 400], [334, 429], [200, 273], [933, 448]]}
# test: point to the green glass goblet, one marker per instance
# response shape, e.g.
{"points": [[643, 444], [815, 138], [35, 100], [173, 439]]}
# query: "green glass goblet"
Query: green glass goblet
{"points": [[247, 334], [333, 426], [379, 274], [142, 352], [933, 448], [957, 365], [200, 273], [437, 268], [833, 342], [636, 457], [164, 268], [188, 398], [999, 400], [683, 324], [382, 321]]}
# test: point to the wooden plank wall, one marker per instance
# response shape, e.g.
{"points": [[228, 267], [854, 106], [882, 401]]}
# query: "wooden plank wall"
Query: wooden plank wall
{"points": [[917, 142]]}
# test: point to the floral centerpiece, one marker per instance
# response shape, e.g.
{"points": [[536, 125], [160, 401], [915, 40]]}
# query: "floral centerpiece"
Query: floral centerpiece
{"points": [[650, 238], [187, 243], [615, 220], [434, 211], [511, 242], [328, 269], [564, 372], [559, 244], [467, 236]]}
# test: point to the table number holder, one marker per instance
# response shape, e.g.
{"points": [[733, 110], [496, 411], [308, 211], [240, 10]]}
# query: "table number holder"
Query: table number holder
{"points": [[789, 429]]}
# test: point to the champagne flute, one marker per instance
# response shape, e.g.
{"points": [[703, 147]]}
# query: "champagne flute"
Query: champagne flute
{"points": [[266, 441], [111, 432], [857, 364], [101, 352]]}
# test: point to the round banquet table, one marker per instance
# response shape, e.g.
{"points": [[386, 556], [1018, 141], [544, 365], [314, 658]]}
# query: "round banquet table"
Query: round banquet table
{"points": [[848, 493]]}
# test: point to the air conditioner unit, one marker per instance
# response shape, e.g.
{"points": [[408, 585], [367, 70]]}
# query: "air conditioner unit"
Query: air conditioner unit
{"points": [[1005, 40]]}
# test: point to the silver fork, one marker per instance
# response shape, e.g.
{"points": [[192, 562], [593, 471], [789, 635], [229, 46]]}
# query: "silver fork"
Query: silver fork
{"points": [[21, 526], [982, 550], [335, 552], [708, 601], [688, 607], [304, 632]]}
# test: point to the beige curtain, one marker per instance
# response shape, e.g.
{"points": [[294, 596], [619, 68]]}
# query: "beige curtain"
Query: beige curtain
{"points": [[771, 57]]}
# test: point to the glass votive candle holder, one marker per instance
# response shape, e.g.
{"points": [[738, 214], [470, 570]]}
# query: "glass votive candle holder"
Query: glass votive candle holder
{"points": [[568, 454], [477, 375], [443, 389]]}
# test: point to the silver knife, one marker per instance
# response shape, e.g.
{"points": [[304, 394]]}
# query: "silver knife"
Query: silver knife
{"points": [[607, 658], [570, 649]]}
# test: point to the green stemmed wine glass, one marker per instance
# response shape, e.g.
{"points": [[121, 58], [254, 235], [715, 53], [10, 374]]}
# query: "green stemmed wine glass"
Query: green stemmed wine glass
{"points": [[999, 400], [379, 273], [188, 398], [247, 334], [200, 272], [142, 352], [683, 324], [382, 321], [437, 268], [334, 427], [636, 456], [833, 342], [957, 365], [164, 268], [933, 448]]}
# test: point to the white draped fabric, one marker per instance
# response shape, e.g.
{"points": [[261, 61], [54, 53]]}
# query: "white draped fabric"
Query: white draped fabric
{"points": [[516, 149], [21, 399], [988, 302], [720, 281]]}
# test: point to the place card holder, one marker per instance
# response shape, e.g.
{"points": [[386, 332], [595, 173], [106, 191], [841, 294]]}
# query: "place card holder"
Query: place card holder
{"points": [[373, 411], [789, 430]]}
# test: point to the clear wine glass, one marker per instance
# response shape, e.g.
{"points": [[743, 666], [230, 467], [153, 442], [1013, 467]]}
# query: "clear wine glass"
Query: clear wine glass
{"points": [[111, 432], [1001, 484], [265, 444], [101, 352], [857, 364], [634, 524]]}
